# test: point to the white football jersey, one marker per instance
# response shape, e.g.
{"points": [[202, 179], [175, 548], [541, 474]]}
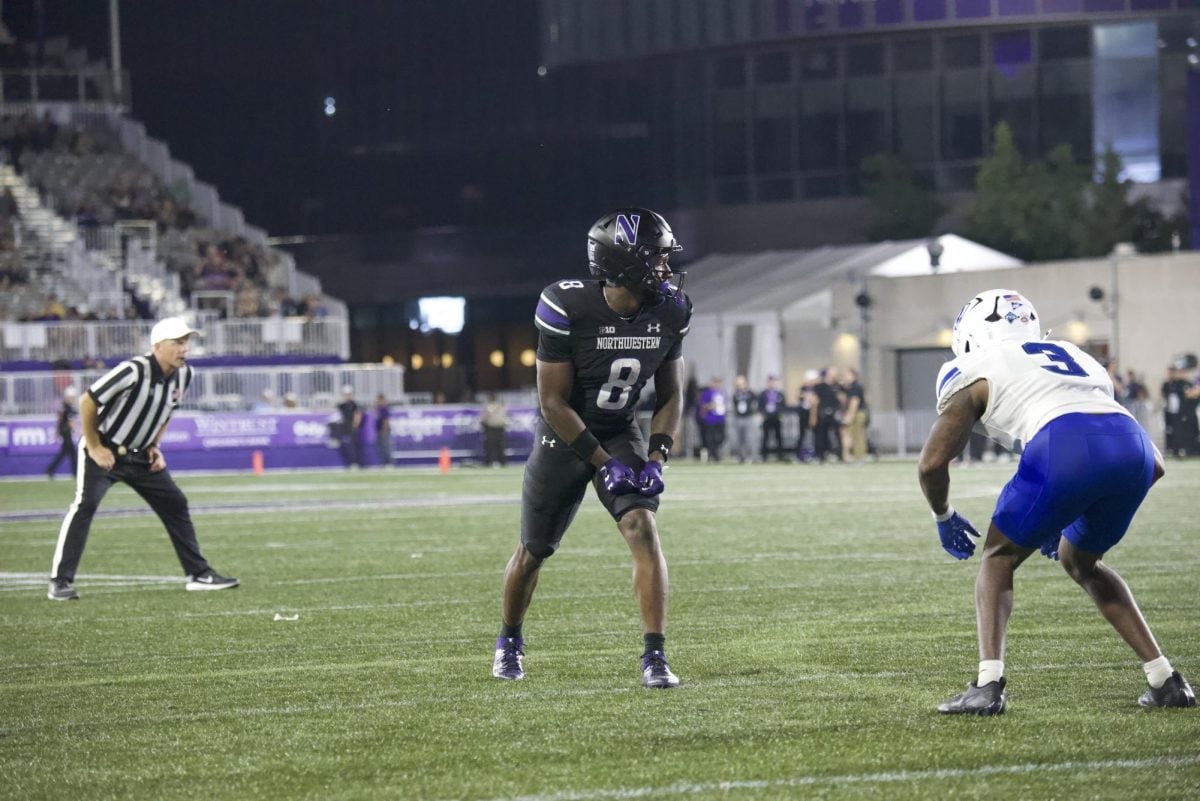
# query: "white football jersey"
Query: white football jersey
{"points": [[1029, 384]]}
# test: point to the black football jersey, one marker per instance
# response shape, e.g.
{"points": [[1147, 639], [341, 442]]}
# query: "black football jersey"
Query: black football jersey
{"points": [[613, 357]]}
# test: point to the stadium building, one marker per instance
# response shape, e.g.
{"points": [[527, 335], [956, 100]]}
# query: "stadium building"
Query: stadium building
{"points": [[756, 102]]}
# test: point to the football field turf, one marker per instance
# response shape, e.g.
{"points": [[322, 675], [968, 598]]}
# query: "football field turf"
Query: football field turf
{"points": [[815, 623]]}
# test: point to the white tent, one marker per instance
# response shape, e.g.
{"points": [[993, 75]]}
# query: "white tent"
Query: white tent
{"points": [[756, 313]]}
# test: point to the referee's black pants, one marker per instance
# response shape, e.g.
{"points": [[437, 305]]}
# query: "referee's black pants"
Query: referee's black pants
{"points": [[157, 489]]}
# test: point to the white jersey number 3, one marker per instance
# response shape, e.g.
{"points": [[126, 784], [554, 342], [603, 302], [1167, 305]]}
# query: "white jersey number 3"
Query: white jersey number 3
{"points": [[614, 393]]}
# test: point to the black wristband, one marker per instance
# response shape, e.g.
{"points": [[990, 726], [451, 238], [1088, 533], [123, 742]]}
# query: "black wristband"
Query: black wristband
{"points": [[585, 445], [661, 443]]}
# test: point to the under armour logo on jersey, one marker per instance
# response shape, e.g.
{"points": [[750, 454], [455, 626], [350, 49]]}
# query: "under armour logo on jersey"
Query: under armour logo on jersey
{"points": [[654, 328], [549, 442], [627, 228]]}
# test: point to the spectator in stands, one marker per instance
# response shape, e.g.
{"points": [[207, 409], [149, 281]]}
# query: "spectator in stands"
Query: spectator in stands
{"points": [[246, 303], [266, 402], [383, 430], [290, 401], [351, 428], [281, 305], [52, 311], [8, 204], [214, 272], [313, 307]]}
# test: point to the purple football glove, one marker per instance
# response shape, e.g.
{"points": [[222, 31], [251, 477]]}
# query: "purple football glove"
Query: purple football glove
{"points": [[650, 482], [954, 536], [1050, 547], [618, 478]]}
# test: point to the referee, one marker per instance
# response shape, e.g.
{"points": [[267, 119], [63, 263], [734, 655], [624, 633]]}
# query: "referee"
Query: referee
{"points": [[124, 415]]}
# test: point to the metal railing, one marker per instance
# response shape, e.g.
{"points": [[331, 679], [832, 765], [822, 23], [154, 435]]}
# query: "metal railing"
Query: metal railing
{"points": [[225, 388], [86, 86], [268, 336]]}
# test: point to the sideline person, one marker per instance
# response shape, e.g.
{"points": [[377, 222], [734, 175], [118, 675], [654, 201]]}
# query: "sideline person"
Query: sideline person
{"points": [[124, 415]]}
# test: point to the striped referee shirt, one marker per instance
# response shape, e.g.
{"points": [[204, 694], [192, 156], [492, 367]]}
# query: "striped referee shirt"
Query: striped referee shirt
{"points": [[135, 399]]}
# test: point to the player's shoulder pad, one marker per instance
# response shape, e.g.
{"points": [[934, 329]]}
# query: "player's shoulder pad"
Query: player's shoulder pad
{"points": [[957, 374], [685, 304], [676, 311], [554, 307]]}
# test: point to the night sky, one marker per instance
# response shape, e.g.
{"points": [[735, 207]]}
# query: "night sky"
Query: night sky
{"points": [[236, 89]]}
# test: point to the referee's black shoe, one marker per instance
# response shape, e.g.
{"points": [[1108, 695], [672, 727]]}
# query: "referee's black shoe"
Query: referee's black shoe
{"points": [[1175, 692], [211, 580], [61, 590], [983, 701]]}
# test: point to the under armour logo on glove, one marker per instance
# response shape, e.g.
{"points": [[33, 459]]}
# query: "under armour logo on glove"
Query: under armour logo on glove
{"points": [[548, 441], [618, 478], [650, 482]]}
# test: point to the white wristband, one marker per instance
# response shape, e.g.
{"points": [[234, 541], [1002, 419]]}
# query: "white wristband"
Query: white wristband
{"points": [[944, 516]]}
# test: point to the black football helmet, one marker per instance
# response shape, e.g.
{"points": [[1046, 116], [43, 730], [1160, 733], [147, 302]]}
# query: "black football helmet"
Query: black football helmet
{"points": [[624, 247]]}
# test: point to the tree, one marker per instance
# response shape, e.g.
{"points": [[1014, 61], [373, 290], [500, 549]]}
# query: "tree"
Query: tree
{"points": [[1032, 211], [1111, 216], [901, 208], [996, 217]]}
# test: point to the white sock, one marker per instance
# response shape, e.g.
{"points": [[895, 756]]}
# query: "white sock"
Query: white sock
{"points": [[990, 670], [1157, 671]]}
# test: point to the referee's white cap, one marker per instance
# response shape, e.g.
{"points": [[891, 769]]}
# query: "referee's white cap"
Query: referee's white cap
{"points": [[170, 328]]}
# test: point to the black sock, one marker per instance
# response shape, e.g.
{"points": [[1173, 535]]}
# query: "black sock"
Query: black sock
{"points": [[654, 642], [509, 631]]}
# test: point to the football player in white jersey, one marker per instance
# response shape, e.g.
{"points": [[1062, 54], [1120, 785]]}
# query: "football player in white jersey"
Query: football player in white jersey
{"points": [[1085, 467]]}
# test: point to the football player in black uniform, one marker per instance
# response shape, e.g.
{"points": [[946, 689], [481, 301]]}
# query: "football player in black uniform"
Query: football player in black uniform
{"points": [[599, 342]]}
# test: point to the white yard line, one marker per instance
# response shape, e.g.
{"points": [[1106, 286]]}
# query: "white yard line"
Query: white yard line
{"points": [[887, 777]]}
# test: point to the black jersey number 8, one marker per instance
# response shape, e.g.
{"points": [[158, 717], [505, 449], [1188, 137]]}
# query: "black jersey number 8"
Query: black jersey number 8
{"points": [[1062, 363], [622, 376]]}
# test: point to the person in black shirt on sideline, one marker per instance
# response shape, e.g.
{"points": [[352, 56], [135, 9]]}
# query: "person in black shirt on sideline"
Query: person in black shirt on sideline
{"points": [[771, 404], [125, 414], [65, 427], [599, 342], [825, 418]]}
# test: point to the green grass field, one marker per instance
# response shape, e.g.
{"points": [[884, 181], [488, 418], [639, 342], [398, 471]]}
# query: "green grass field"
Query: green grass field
{"points": [[815, 623]]}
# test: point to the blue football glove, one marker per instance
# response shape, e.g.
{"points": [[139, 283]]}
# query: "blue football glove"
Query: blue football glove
{"points": [[1050, 547], [953, 532], [650, 482], [618, 478]]}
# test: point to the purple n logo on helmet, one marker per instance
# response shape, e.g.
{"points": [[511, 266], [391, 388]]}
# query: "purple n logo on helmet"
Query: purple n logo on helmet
{"points": [[627, 228]]}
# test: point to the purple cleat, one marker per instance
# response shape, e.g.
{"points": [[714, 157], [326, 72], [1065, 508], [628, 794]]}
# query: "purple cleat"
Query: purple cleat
{"points": [[656, 673], [510, 651]]}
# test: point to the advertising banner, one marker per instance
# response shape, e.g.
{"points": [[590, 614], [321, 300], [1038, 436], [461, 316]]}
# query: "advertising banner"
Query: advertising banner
{"points": [[287, 439]]}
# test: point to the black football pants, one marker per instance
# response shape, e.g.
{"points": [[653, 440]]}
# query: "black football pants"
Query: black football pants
{"points": [[157, 489]]}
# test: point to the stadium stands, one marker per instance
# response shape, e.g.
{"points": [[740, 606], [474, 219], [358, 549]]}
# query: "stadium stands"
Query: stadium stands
{"points": [[102, 232]]}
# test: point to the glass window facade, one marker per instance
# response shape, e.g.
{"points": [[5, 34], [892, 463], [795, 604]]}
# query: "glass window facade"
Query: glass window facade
{"points": [[789, 106]]}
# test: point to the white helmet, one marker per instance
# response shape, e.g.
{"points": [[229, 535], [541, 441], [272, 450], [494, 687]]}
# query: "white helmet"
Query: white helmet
{"points": [[997, 315]]}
